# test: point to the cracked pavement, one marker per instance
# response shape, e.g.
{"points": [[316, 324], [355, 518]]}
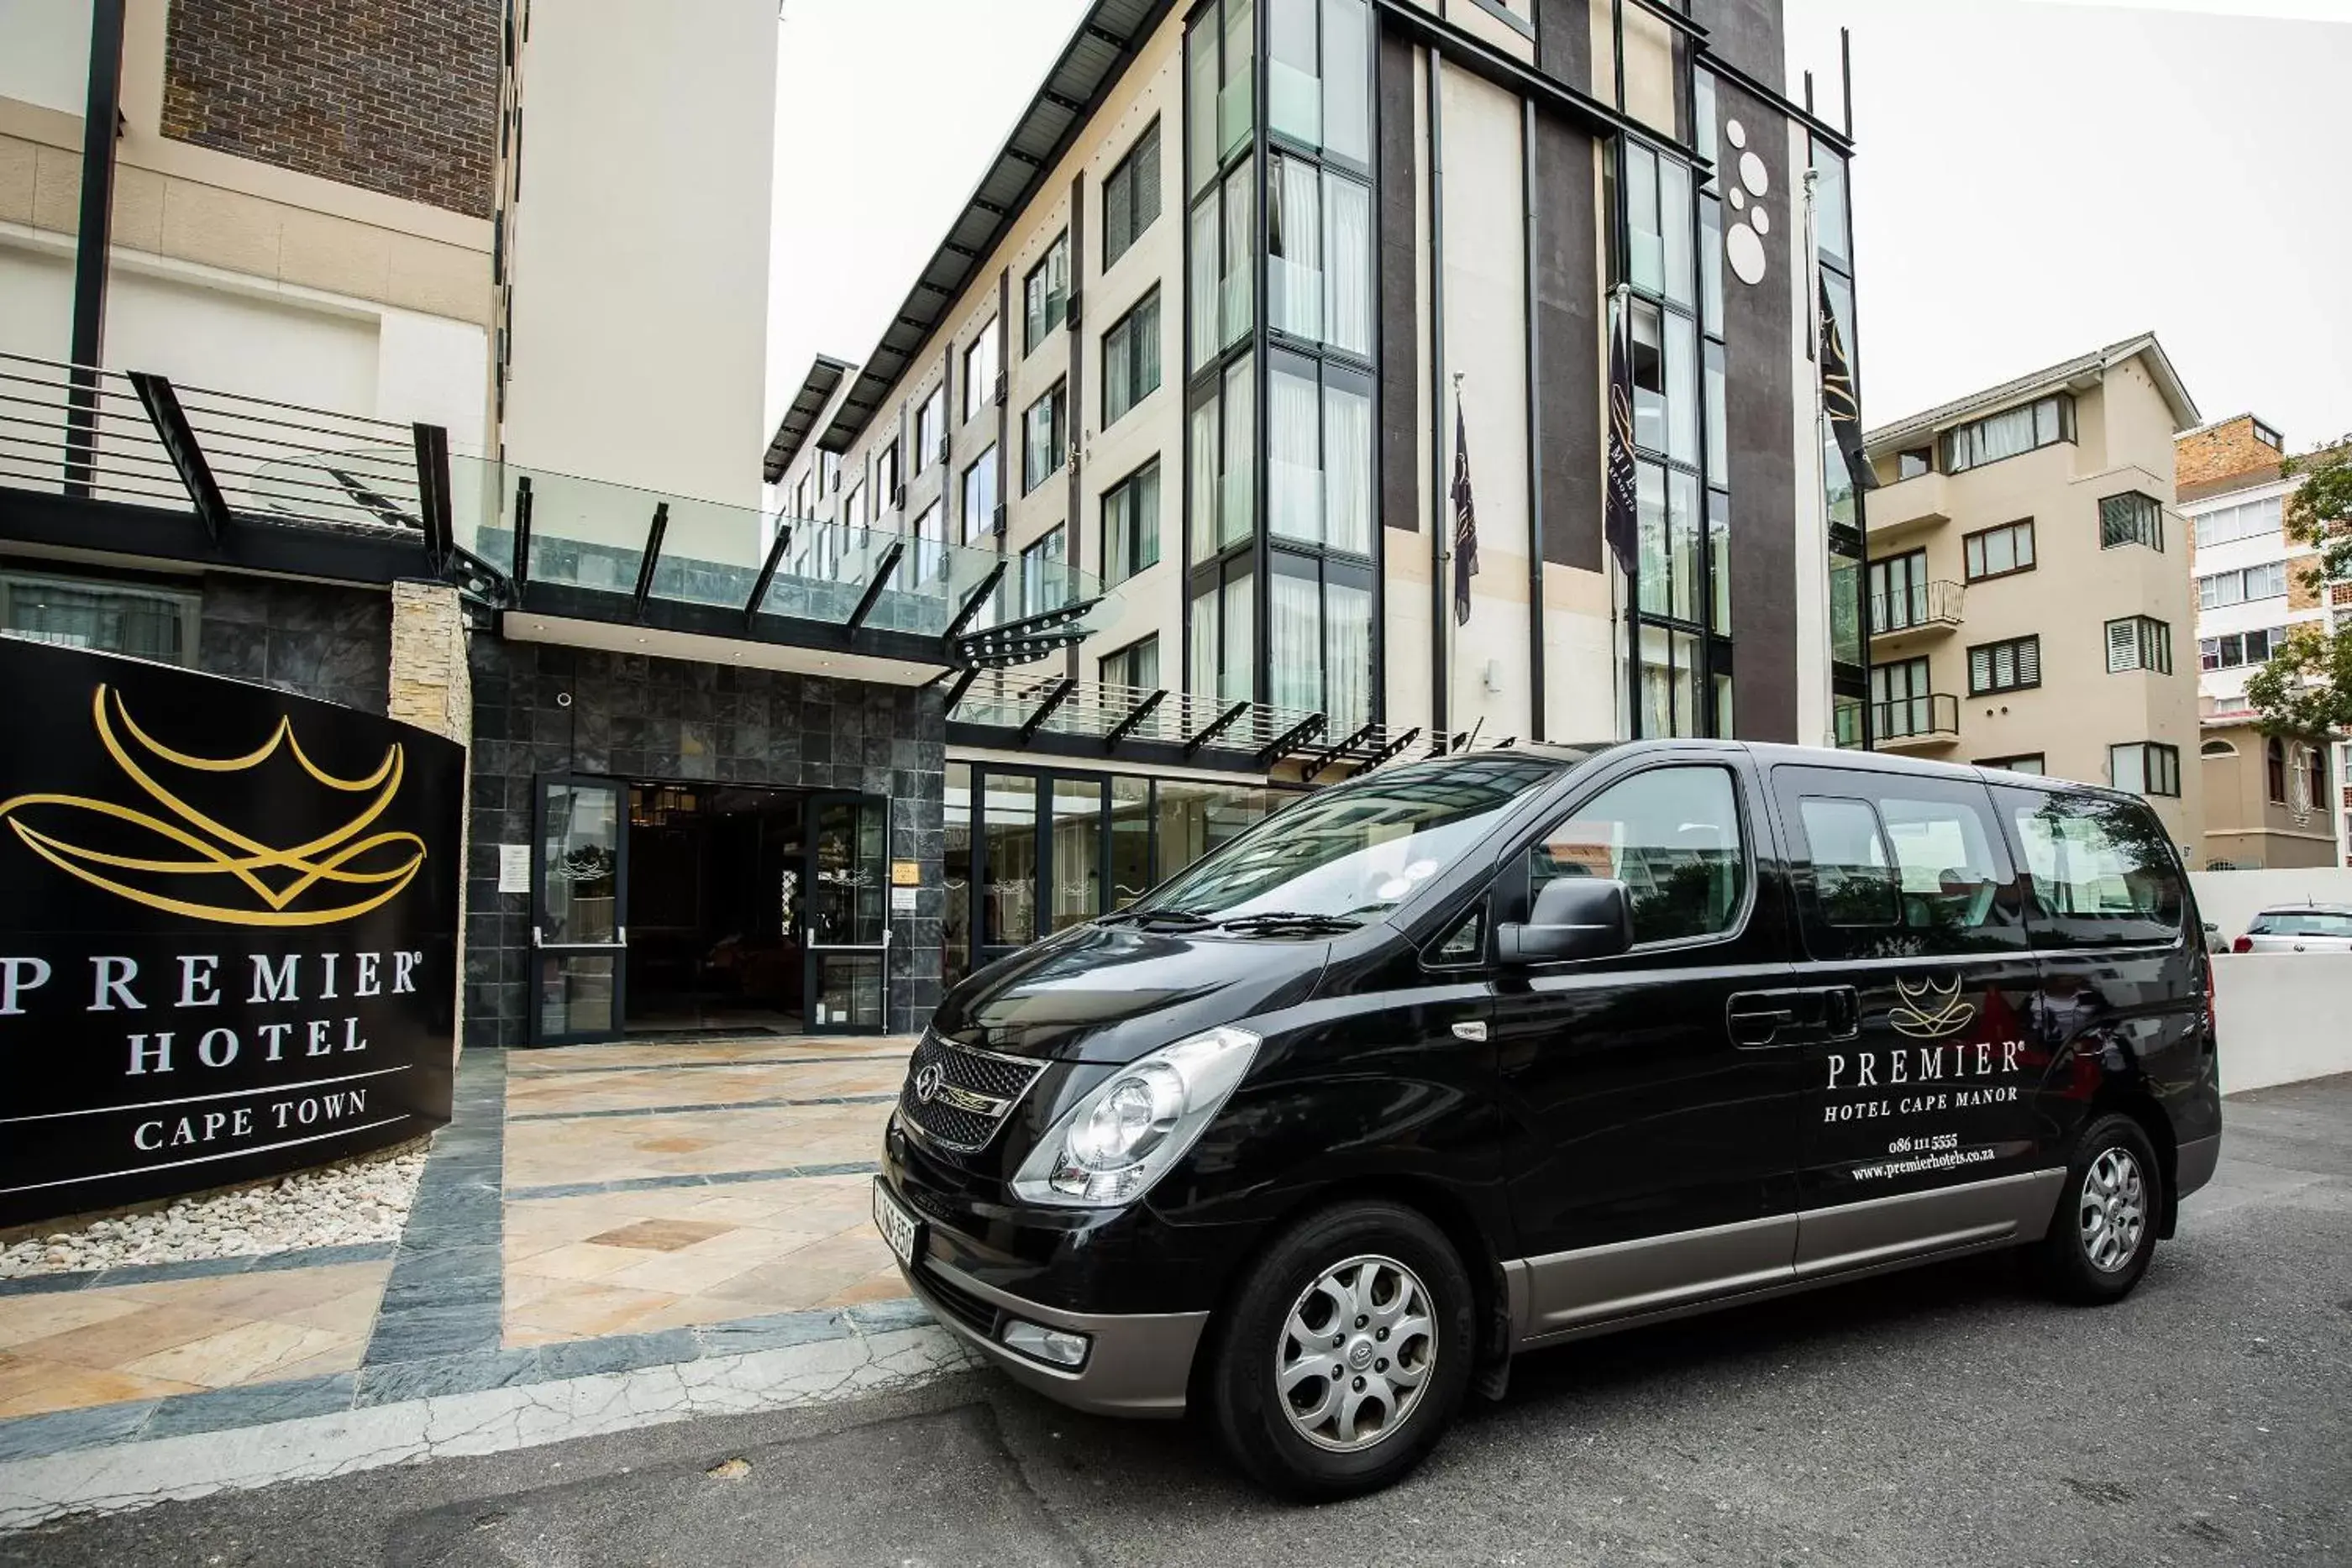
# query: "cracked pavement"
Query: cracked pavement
{"points": [[1944, 1416]]}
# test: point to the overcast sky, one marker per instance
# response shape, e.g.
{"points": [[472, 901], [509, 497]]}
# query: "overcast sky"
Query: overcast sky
{"points": [[2034, 180]]}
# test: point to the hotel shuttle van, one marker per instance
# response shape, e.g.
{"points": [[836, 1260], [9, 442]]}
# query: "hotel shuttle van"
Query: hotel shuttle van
{"points": [[1494, 1051]]}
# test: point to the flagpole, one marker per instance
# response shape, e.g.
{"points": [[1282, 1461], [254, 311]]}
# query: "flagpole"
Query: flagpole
{"points": [[1453, 618]]}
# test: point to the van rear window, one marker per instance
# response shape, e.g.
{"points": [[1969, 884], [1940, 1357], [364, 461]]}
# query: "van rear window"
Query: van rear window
{"points": [[2102, 871]]}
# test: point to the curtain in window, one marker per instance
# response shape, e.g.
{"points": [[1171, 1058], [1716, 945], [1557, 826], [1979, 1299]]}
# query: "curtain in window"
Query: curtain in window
{"points": [[135, 623], [1682, 527], [1207, 636], [1206, 273], [1116, 526], [1348, 265], [1347, 659], [1237, 518], [1295, 649], [1240, 641], [1295, 248], [1144, 332], [1651, 511], [1293, 472], [1118, 384], [1348, 469], [1241, 222], [1143, 507], [2004, 436], [1204, 481]]}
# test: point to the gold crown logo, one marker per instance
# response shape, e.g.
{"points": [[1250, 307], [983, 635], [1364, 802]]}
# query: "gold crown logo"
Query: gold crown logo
{"points": [[371, 870], [1930, 1011]]}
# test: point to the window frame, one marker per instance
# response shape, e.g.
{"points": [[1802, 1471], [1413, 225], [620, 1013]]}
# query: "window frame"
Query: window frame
{"points": [[987, 522], [186, 607], [980, 390], [2151, 753], [1035, 331], [932, 429], [2149, 635], [1125, 169], [1981, 538], [1131, 347], [2146, 524], [2051, 930], [2040, 760], [2017, 648], [2000, 933], [1058, 395], [2063, 424], [1031, 557], [1135, 530], [1127, 651]]}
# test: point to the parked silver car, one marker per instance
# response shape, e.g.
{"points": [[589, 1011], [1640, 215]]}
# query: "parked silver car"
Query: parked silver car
{"points": [[2299, 928]]}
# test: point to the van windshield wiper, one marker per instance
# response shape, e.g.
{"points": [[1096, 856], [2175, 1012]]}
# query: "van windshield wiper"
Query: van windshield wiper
{"points": [[1162, 919], [1289, 920]]}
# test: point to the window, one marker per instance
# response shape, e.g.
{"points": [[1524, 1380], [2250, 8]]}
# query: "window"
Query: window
{"points": [[2025, 762], [1673, 836], [1045, 293], [1997, 553], [2274, 767], [979, 497], [1223, 442], [2224, 588], [1045, 438], [2009, 433], [1320, 102], [2238, 649], [2138, 642], [2101, 872], [1914, 461], [1130, 524], [2315, 774], [2269, 437], [930, 552], [1222, 624], [932, 429], [2145, 767], [1223, 233], [2005, 666], [1130, 358], [1900, 875], [2247, 520], [1319, 641], [980, 372], [1131, 196], [853, 507], [1319, 256], [1045, 581], [828, 468], [1136, 665], [1319, 455], [800, 497], [109, 617], [1898, 591], [2131, 518], [1658, 217], [886, 481]]}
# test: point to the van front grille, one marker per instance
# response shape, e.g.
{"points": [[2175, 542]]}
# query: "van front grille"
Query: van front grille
{"points": [[957, 1098]]}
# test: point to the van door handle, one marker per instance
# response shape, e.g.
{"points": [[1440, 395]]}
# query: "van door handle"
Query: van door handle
{"points": [[1755, 1022]]}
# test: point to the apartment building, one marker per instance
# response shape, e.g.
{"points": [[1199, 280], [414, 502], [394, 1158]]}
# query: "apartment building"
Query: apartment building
{"points": [[2028, 588], [1207, 346], [2271, 802]]}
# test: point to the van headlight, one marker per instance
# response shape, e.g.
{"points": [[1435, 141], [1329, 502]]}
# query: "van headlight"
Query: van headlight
{"points": [[1110, 1146]]}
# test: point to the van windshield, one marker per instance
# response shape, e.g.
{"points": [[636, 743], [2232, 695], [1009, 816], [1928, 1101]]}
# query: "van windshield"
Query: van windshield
{"points": [[1351, 852]]}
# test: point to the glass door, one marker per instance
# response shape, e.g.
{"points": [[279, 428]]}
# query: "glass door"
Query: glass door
{"points": [[578, 934], [846, 909]]}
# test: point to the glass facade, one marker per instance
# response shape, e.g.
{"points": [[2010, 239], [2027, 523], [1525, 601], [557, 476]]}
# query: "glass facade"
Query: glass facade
{"points": [[1670, 262], [1850, 623], [1033, 851], [1280, 510]]}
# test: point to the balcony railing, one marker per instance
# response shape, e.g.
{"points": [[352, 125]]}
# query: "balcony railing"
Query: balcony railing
{"points": [[1923, 606], [1931, 718]]}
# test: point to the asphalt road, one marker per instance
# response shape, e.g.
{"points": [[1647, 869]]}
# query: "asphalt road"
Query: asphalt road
{"points": [[1947, 1416]]}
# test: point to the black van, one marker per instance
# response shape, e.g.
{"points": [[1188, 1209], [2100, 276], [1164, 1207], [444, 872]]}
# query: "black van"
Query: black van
{"points": [[1491, 1052]]}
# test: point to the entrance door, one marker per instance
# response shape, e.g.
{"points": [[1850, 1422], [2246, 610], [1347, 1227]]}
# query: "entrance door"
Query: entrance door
{"points": [[580, 889], [846, 913]]}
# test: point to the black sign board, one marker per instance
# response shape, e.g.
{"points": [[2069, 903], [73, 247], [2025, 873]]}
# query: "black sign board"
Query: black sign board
{"points": [[228, 931]]}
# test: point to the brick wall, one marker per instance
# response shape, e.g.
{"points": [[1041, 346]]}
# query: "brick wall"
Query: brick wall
{"points": [[2225, 451], [396, 96]]}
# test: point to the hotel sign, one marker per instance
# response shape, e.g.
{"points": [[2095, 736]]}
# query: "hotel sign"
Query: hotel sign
{"points": [[228, 931]]}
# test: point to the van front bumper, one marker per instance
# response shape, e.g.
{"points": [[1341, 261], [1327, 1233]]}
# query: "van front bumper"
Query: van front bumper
{"points": [[1136, 1363]]}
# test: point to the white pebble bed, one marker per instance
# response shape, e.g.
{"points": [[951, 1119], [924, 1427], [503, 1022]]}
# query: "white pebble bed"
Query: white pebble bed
{"points": [[365, 1199]]}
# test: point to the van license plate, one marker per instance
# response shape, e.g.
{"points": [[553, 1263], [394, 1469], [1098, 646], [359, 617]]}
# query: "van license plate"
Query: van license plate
{"points": [[901, 1229]]}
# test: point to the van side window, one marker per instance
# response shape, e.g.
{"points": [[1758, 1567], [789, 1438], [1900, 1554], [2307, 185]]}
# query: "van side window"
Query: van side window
{"points": [[1901, 867], [1671, 836], [2102, 872]]}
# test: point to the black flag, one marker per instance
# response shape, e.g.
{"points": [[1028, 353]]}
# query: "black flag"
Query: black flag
{"points": [[1465, 520], [1838, 399], [1619, 516]]}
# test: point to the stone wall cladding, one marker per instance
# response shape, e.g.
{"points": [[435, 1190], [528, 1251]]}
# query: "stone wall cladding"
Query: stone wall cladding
{"points": [[312, 639], [395, 96], [641, 718]]}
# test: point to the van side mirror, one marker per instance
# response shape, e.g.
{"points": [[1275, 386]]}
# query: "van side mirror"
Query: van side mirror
{"points": [[1574, 917]]}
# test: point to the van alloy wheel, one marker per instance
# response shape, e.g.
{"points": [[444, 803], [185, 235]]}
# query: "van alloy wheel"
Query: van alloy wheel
{"points": [[1355, 1354], [2114, 1209]]}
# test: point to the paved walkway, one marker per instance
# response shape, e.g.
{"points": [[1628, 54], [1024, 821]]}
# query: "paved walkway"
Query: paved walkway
{"points": [[590, 1210]]}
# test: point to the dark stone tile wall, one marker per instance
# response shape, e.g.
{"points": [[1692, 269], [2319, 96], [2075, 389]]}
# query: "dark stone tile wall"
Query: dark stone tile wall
{"points": [[639, 718], [308, 638]]}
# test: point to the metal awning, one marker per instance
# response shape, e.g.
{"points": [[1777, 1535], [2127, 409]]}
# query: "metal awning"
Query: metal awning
{"points": [[1045, 711], [800, 419]]}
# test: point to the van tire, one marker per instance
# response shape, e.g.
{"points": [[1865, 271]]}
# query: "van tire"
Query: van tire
{"points": [[2111, 1145], [1251, 1410]]}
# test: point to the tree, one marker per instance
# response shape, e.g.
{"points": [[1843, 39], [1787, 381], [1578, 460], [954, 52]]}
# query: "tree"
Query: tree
{"points": [[2305, 693]]}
